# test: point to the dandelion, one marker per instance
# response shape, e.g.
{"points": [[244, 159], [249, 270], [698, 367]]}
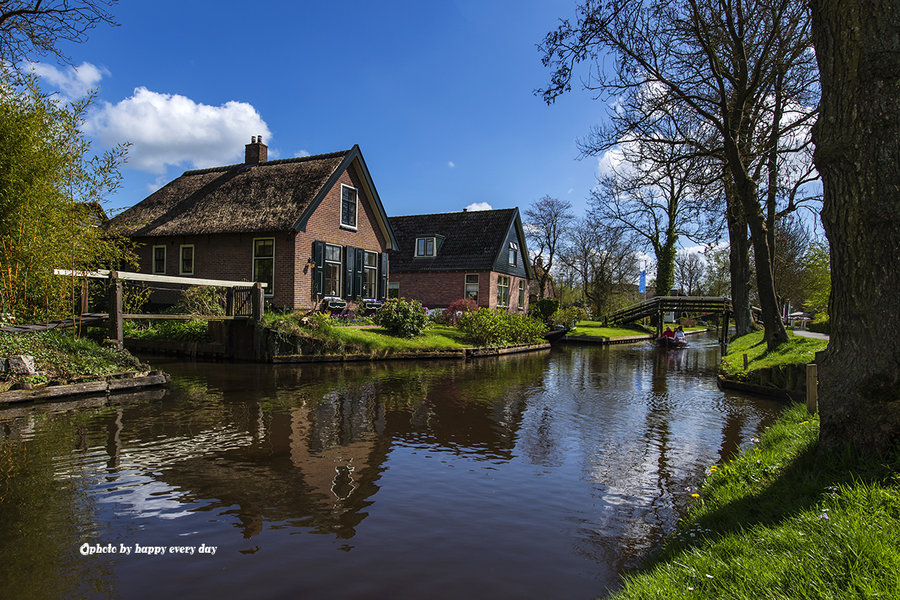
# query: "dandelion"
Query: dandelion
{"points": [[695, 495], [714, 468]]}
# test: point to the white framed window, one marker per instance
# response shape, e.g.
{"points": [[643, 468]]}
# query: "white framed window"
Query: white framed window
{"points": [[349, 206], [521, 294], [513, 254], [393, 290], [159, 260], [471, 291], [264, 263], [333, 271], [186, 262], [370, 278], [502, 291], [425, 246]]}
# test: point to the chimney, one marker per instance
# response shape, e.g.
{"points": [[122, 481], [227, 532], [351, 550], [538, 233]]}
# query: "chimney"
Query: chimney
{"points": [[256, 152]]}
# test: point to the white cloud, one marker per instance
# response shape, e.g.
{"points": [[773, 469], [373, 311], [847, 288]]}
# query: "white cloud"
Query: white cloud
{"points": [[72, 82], [479, 206], [301, 153], [170, 129], [610, 162], [451, 164]]}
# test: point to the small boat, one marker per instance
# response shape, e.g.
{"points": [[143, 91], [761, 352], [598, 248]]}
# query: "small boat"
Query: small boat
{"points": [[555, 335], [667, 342]]}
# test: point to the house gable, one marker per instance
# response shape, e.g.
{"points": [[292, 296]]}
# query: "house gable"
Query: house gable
{"points": [[514, 241], [353, 160]]}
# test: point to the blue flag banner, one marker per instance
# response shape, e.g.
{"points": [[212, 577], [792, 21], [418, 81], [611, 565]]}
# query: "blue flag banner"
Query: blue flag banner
{"points": [[642, 286]]}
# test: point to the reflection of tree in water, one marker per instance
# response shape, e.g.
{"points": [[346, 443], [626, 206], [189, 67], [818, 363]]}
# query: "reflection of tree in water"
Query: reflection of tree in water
{"points": [[46, 511]]}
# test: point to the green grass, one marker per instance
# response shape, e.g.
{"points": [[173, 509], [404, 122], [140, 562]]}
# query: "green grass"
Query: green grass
{"points": [[595, 329], [61, 357], [798, 350], [784, 521], [436, 337]]}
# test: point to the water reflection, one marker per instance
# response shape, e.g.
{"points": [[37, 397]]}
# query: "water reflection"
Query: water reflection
{"points": [[506, 476]]}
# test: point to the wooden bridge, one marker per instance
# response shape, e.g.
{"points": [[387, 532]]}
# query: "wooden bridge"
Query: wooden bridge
{"points": [[658, 305]]}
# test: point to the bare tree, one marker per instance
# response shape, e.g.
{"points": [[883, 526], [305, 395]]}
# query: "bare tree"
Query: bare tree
{"points": [[602, 260], [734, 65], [547, 221], [689, 270], [32, 28], [857, 152]]}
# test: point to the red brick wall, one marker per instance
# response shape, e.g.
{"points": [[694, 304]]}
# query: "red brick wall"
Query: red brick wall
{"points": [[325, 224], [438, 289]]}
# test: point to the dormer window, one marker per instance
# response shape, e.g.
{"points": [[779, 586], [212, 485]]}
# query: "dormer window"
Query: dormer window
{"points": [[348, 207], [425, 246], [513, 254]]}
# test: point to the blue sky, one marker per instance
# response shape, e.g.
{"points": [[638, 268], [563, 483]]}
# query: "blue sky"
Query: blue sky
{"points": [[438, 95]]}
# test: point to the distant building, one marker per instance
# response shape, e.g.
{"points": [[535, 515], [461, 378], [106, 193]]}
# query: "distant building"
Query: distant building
{"points": [[471, 254]]}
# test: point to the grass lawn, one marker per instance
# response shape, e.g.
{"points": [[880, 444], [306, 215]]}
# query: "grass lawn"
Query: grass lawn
{"points": [[798, 350], [595, 329], [436, 337], [61, 357], [783, 521]]}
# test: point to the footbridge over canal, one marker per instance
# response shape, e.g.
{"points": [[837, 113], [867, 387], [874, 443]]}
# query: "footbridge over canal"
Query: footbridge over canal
{"points": [[657, 306]]}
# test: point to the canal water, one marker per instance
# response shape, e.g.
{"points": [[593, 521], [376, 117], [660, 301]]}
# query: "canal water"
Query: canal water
{"points": [[543, 475]]}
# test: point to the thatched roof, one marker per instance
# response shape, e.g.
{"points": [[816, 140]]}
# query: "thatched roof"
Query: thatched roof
{"points": [[268, 196], [470, 240]]}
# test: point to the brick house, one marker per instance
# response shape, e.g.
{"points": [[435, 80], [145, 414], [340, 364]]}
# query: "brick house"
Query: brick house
{"points": [[310, 227], [470, 254]]}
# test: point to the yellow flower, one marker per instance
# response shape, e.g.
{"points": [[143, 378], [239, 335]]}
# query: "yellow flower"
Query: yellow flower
{"points": [[695, 495]]}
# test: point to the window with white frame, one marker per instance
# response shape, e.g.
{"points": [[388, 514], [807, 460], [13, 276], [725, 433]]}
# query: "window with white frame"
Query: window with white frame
{"points": [[186, 264], [332, 270], [502, 291], [264, 263], [370, 279], [472, 287], [348, 206], [521, 294], [425, 246], [159, 259], [513, 254]]}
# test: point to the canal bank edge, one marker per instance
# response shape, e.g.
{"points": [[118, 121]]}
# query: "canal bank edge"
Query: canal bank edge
{"points": [[114, 383], [628, 339], [460, 354]]}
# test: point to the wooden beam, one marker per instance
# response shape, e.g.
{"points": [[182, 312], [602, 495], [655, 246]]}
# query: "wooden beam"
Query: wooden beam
{"points": [[129, 276]]}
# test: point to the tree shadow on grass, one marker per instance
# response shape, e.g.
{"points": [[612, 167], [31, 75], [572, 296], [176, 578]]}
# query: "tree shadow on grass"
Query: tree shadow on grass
{"points": [[803, 484]]}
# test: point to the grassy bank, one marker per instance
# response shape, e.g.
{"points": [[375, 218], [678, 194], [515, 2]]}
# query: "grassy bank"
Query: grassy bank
{"points": [[797, 351], [60, 357], [435, 337], [784, 521], [595, 329]]}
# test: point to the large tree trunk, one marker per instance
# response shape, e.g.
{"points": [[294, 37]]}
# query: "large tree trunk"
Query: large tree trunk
{"points": [[857, 153], [665, 266], [739, 266]]}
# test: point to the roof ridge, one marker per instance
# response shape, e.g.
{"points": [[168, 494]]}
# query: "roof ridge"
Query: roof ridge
{"points": [[454, 212], [279, 161]]}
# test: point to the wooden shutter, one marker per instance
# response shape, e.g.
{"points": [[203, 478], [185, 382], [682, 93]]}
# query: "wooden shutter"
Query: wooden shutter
{"points": [[349, 262], [383, 277], [319, 269], [359, 272]]}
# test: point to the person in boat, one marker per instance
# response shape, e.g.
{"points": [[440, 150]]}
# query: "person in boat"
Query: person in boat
{"points": [[668, 333], [679, 333]]}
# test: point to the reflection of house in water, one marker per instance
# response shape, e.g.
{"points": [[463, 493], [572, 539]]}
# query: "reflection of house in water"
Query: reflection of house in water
{"points": [[307, 446]]}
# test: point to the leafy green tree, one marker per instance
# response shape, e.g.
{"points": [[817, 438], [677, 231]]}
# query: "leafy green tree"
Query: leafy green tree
{"points": [[51, 189], [816, 278]]}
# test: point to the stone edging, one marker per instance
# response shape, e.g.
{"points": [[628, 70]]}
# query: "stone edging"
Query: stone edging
{"points": [[110, 384], [460, 354]]}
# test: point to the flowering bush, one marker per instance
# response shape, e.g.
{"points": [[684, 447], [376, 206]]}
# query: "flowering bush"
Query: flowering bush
{"points": [[492, 327], [401, 317], [567, 317], [458, 308]]}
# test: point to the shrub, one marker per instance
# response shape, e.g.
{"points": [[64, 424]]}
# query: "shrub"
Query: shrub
{"points": [[493, 327], [202, 300], [567, 317], [401, 317], [687, 322], [458, 308], [544, 308]]}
